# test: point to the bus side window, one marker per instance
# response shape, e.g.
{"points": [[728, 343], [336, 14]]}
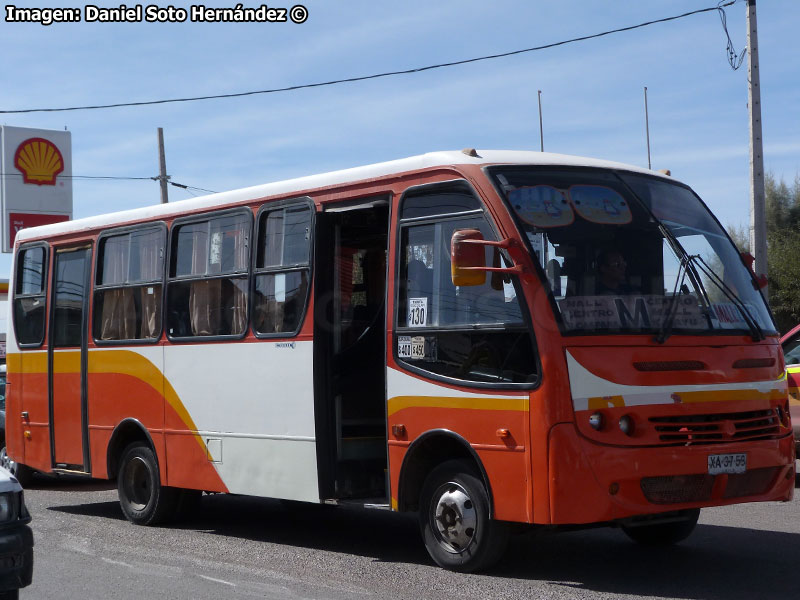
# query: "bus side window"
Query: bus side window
{"points": [[282, 269], [471, 333], [127, 298], [208, 276], [30, 293]]}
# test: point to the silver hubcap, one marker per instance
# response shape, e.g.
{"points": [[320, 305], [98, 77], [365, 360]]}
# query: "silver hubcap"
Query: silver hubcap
{"points": [[454, 517], [136, 481]]}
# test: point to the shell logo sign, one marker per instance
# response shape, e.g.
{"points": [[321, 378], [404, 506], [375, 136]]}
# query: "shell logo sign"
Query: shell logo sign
{"points": [[39, 161], [35, 181]]}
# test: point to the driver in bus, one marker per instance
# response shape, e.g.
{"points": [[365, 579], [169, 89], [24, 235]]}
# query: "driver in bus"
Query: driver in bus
{"points": [[612, 273]]}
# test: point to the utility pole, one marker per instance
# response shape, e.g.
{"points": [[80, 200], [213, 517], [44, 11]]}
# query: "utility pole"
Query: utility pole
{"points": [[647, 128], [541, 131], [162, 161], [758, 222]]}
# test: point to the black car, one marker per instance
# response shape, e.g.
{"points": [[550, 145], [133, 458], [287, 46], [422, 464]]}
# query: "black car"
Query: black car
{"points": [[16, 538]]}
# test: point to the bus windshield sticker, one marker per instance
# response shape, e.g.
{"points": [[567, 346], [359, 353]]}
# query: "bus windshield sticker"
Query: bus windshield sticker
{"points": [[417, 312], [600, 204], [630, 312], [404, 346], [418, 347], [542, 206], [726, 315]]}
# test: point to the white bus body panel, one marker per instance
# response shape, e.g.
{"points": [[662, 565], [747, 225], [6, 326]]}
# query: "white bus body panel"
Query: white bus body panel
{"points": [[256, 402]]}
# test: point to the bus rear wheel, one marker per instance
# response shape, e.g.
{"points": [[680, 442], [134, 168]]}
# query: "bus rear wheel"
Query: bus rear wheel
{"points": [[143, 499], [455, 521], [664, 534]]}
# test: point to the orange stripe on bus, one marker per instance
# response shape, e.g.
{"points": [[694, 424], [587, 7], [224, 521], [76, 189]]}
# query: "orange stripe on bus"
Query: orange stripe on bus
{"points": [[122, 362]]}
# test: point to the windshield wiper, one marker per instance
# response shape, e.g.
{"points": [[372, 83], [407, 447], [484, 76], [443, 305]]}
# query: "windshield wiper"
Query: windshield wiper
{"points": [[685, 268], [666, 324], [755, 329]]}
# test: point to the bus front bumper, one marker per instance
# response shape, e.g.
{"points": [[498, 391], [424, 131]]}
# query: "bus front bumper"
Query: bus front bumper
{"points": [[593, 483]]}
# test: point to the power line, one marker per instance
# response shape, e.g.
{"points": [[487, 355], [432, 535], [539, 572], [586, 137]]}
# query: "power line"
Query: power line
{"points": [[116, 178], [734, 60], [719, 8], [187, 187], [109, 177]]}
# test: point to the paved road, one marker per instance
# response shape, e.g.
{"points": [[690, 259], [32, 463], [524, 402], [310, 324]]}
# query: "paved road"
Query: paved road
{"points": [[239, 547]]}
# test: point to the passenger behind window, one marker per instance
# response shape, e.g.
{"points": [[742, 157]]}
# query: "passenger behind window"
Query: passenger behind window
{"points": [[554, 276]]}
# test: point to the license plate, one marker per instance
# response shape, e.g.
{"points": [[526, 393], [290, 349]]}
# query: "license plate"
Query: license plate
{"points": [[727, 463]]}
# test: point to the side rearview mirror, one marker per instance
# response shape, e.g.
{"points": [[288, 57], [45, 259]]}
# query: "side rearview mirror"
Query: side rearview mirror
{"points": [[468, 258]]}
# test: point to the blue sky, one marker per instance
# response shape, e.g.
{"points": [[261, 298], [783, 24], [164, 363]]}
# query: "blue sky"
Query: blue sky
{"points": [[592, 91]]}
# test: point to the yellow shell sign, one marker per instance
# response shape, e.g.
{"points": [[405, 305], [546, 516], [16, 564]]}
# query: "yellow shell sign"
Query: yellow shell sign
{"points": [[39, 160]]}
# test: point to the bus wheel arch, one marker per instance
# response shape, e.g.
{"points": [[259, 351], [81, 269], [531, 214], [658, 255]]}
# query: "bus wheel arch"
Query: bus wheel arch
{"points": [[427, 452], [125, 433]]}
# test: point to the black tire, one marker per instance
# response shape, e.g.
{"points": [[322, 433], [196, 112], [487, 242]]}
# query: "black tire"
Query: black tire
{"points": [[9, 595], [23, 473], [455, 521], [142, 497], [664, 534]]}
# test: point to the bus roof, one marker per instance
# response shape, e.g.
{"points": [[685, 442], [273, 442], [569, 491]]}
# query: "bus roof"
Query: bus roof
{"points": [[313, 182]]}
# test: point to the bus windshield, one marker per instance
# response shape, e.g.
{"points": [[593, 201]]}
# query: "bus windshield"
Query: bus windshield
{"points": [[628, 253]]}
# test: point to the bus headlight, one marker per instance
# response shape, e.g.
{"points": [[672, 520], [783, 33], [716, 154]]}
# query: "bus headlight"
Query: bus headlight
{"points": [[626, 424], [596, 421]]}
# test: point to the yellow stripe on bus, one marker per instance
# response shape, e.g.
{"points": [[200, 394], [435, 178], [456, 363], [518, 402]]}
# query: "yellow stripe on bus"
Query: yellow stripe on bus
{"points": [[399, 403], [121, 362], [689, 397]]}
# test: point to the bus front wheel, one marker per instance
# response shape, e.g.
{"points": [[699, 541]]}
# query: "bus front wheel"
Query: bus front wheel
{"points": [[142, 497], [664, 534], [455, 521]]}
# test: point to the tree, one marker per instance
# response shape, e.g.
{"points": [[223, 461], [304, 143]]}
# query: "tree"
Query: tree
{"points": [[783, 265], [783, 250], [740, 236]]}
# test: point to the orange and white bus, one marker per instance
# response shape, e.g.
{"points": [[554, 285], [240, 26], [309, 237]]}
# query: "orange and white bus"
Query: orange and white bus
{"points": [[487, 338]]}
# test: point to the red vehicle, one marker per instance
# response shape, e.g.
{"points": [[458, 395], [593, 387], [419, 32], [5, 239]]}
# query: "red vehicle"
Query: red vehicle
{"points": [[483, 338], [791, 352]]}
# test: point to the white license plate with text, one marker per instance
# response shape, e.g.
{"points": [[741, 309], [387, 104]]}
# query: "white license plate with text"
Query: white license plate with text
{"points": [[727, 463]]}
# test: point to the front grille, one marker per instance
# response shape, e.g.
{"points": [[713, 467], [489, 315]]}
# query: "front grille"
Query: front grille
{"points": [[751, 483], [717, 428], [675, 489]]}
